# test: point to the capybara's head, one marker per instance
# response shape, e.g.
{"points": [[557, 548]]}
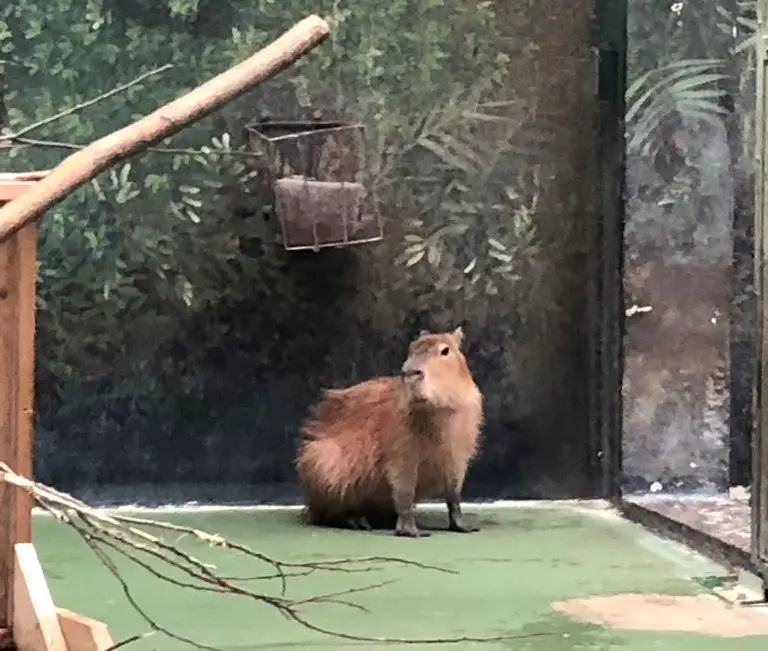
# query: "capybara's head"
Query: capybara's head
{"points": [[436, 370]]}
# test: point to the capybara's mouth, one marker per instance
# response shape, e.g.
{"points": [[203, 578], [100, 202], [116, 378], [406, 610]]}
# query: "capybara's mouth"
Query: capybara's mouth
{"points": [[415, 392]]}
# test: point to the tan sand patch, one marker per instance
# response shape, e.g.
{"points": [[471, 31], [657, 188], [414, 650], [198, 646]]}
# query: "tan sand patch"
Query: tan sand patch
{"points": [[703, 614]]}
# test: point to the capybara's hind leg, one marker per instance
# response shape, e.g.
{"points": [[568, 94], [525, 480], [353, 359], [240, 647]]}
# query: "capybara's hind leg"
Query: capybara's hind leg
{"points": [[456, 520], [381, 518], [333, 519], [403, 483], [347, 520], [359, 522], [354, 519]]}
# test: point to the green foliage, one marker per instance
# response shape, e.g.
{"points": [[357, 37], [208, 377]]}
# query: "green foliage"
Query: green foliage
{"points": [[687, 62], [135, 264], [668, 32], [681, 62], [673, 47], [691, 88]]}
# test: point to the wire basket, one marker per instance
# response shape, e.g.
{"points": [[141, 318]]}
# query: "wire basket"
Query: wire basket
{"points": [[315, 171]]}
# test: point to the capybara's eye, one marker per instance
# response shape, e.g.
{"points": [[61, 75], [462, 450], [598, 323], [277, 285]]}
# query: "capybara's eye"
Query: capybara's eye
{"points": [[445, 351]]}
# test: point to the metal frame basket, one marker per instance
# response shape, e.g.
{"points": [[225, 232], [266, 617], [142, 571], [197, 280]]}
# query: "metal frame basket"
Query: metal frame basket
{"points": [[315, 171]]}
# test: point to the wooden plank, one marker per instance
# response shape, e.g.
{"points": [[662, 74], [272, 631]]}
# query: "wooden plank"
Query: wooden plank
{"points": [[27, 284], [18, 272], [9, 177], [13, 190], [13, 185], [35, 619], [9, 392], [83, 633]]}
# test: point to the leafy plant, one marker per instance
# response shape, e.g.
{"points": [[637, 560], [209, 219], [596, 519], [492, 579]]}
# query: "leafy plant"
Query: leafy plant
{"points": [[684, 89], [690, 67]]}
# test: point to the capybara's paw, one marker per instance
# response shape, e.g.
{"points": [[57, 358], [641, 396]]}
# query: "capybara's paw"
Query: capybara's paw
{"points": [[359, 523], [409, 530], [462, 527], [412, 533]]}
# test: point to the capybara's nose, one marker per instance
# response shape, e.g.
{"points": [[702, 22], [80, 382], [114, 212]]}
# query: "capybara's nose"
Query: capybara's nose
{"points": [[413, 373]]}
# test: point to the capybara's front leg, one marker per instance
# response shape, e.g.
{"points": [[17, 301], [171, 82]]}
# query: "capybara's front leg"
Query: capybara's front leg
{"points": [[455, 517], [403, 483]]}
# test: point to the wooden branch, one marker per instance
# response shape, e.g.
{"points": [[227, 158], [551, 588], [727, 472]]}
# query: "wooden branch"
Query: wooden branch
{"points": [[82, 166]]}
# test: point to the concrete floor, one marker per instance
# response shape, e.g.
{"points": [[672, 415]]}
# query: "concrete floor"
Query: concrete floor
{"points": [[726, 517], [509, 574]]}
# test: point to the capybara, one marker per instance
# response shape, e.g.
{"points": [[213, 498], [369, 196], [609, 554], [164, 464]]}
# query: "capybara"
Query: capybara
{"points": [[372, 450]]}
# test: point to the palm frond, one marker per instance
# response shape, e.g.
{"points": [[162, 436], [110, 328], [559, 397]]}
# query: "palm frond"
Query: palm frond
{"points": [[686, 88]]}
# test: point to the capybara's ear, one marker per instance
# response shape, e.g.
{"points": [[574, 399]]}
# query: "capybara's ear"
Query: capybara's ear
{"points": [[423, 333], [459, 334]]}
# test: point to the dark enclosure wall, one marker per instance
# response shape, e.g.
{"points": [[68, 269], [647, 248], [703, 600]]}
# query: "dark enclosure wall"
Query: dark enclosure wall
{"points": [[688, 269], [179, 345]]}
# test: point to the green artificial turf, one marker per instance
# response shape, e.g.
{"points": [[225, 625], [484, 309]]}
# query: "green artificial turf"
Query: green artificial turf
{"points": [[506, 578]]}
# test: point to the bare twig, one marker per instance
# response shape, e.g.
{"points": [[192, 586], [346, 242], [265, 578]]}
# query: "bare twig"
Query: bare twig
{"points": [[91, 536], [57, 144], [128, 640], [128, 537], [215, 540], [83, 105], [110, 566]]}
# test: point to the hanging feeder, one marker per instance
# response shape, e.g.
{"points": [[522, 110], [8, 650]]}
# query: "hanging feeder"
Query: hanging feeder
{"points": [[315, 173]]}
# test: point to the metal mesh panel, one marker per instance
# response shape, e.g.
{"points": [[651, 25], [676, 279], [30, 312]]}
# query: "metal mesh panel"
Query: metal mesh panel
{"points": [[691, 326]]}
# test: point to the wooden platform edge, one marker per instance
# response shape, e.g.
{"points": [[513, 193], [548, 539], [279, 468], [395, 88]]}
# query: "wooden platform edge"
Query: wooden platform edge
{"points": [[82, 633], [37, 624], [13, 185]]}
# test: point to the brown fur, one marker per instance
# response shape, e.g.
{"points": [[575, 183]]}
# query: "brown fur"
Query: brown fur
{"points": [[412, 435]]}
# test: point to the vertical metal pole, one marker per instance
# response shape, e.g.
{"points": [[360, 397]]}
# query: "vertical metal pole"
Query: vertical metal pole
{"points": [[760, 430], [607, 311]]}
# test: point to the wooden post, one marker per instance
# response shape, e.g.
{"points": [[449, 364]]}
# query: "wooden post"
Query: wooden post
{"points": [[18, 274]]}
